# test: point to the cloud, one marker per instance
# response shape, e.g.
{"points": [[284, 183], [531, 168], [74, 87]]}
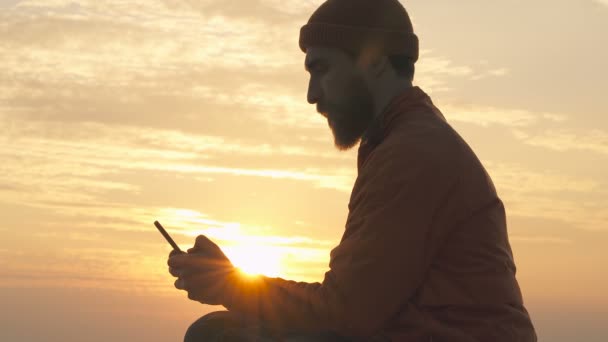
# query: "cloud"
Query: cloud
{"points": [[95, 251], [539, 239], [601, 2], [594, 140], [82, 77], [486, 115], [435, 73], [205, 75], [107, 31], [73, 162], [94, 61], [523, 180], [549, 195], [269, 12], [539, 129], [490, 73]]}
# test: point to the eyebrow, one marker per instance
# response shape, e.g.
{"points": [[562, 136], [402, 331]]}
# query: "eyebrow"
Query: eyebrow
{"points": [[314, 62]]}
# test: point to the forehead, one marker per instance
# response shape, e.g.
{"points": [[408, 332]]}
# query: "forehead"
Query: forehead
{"points": [[324, 54]]}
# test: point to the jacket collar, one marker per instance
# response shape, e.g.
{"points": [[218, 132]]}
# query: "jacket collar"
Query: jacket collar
{"points": [[381, 124]]}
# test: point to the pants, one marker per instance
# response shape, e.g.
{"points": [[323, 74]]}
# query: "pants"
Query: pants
{"points": [[224, 326]]}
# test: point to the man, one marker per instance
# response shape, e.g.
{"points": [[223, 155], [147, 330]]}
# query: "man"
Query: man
{"points": [[425, 254]]}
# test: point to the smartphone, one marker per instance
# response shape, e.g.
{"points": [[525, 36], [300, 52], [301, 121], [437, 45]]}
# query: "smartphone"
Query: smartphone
{"points": [[167, 237]]}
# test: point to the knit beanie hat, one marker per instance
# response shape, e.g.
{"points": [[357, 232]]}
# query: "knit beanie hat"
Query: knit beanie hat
{"points": [[381, 26]]}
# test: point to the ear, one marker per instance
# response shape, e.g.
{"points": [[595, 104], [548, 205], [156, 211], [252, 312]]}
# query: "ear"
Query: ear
{"points": [[374, 66], [379, 66]]}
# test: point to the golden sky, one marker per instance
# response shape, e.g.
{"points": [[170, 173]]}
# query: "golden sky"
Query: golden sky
{"points": [[117, 113]]}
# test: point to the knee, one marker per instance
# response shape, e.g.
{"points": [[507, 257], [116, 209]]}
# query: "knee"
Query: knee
{"points": [[208, 327]]}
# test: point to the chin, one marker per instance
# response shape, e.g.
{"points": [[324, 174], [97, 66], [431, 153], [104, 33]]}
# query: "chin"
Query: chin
{"points": [[345, 137], [343, 144]]}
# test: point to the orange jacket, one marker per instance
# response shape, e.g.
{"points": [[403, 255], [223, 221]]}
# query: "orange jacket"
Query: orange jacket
{"points": [[425, 254]]}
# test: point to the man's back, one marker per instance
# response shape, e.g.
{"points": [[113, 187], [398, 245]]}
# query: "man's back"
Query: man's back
{"points": [[463, 269]]}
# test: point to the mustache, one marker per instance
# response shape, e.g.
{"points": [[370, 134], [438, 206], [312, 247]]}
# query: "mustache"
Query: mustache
{"points": [[322, 110]]}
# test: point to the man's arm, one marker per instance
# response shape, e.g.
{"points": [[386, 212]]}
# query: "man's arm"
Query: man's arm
{"points": [[379, 263]]}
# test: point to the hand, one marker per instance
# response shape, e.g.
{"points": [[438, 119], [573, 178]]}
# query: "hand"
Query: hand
{"points": [[174, 271], [204, 272]]}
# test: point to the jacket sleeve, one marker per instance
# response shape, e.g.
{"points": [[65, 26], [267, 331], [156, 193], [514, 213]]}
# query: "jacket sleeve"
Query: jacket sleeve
{"points": [[379, 263]]}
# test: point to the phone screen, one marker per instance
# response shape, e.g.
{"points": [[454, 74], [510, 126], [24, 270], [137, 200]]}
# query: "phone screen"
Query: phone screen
{"points": [[166, 235]]}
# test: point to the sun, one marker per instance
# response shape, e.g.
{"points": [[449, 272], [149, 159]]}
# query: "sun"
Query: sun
{"points": [[255, 260]]}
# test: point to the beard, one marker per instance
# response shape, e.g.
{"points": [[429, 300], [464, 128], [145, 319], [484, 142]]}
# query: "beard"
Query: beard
{"points": [[350, 116]]}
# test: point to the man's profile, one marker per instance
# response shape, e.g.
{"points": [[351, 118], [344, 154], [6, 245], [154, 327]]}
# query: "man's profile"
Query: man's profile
{"points": [[425, 254]]}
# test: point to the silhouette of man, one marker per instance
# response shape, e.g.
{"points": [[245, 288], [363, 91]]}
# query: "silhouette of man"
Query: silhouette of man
{"points": [[425, 254]]}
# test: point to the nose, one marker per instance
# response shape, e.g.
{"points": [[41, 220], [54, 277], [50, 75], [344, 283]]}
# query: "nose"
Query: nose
{"points": [[314, 92]]}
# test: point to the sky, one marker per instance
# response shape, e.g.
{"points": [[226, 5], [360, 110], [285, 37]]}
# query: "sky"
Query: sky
{"points": [[117, 113]]}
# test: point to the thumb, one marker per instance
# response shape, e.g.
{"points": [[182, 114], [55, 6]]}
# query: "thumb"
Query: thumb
{"points": [[202, 245], [206, 247]]}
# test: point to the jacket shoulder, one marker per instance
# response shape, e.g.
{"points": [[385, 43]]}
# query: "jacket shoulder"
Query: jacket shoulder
{"points": [[423, 140], [428, 145]]}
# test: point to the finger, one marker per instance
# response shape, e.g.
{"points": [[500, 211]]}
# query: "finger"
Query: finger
{"points": [[174, 252], [195, 286], [180, 284], [176, 272], [196, 261], [187, 273], [197, 250], [180, 260], [203, 243], [205, 289], [204, 246], [203, 269]]}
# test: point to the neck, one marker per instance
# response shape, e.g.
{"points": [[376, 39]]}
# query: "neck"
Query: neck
{"points": [[386, 92], [382, 97]]}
